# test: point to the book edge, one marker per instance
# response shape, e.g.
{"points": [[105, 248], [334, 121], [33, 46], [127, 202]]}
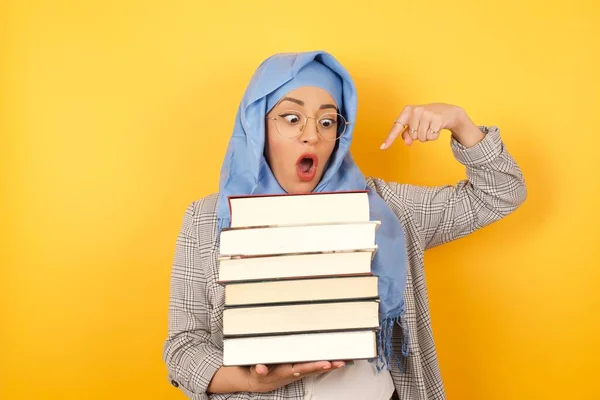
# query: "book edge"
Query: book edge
{"points": [[271, 226]]}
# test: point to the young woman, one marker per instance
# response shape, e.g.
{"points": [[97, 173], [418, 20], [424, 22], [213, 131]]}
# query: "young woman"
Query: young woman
{"points": [[292, 134]]}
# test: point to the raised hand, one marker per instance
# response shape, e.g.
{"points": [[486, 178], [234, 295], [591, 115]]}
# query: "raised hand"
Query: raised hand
{"points": [[424, 123]]}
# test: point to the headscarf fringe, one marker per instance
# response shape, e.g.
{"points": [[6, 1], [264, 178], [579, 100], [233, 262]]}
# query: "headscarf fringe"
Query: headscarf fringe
{"points": [[386, 355]]}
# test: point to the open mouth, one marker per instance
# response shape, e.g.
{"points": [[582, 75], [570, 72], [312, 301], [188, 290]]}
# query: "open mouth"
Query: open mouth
{"points": [[306, 166]]}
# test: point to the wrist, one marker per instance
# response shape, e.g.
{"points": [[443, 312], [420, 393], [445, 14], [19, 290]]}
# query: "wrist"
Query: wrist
{"points": [[465, 131], [250, 382], [246, 384], [231, 379]]}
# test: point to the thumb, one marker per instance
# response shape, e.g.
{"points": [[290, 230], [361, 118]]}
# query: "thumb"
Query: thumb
{"points": [[406, 137], [261, 369]]}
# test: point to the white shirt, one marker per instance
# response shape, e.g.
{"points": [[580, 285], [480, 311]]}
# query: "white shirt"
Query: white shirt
{"points": [[359, 381]]}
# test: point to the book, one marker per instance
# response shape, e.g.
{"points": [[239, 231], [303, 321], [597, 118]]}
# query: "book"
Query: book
{"points": [[292, 209], [301, 290], [288, 266], [303, 347], [282, 239], [296, 318]]}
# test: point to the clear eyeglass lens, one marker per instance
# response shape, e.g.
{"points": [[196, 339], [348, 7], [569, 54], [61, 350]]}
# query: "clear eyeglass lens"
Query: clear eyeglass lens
{"points": [[330, 126]]}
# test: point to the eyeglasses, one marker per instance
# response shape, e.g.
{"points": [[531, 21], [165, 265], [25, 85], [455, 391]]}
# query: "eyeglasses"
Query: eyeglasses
{"points": [[291, 123]]}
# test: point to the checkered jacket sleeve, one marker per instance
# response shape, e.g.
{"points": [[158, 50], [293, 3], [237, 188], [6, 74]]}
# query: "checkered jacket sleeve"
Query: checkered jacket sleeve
{"points": [[190, 352], [494, 188]]}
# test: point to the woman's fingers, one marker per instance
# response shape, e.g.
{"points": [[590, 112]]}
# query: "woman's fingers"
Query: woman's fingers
{"points": [[398, 127], [338, 364], [424, 123], [435, 127], [414, 122], [406, 137], [394, 132], [309, 368], [261, 369]]}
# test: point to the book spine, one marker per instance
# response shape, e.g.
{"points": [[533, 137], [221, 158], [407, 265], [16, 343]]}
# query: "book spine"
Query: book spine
{"points": [[308, 332], [292, 303], [292, 278]]}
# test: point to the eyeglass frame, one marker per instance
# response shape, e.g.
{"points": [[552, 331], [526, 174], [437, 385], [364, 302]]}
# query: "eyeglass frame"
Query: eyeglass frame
{"points": [[346, 123]]}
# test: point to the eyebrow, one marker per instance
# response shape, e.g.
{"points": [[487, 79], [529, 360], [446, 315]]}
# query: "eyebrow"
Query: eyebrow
{"points": [[327, 106], [300, 102]]}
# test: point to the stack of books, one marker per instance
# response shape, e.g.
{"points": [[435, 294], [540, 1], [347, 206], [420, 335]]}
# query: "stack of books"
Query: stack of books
{"points": [[296, 270]]}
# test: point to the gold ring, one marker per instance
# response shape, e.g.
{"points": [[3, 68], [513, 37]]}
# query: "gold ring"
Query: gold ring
{"points": [[413, 131], [398, 122], [295, 373]]}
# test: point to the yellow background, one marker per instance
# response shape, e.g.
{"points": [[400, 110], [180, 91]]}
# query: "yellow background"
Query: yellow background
{"points": [[115, 115]]}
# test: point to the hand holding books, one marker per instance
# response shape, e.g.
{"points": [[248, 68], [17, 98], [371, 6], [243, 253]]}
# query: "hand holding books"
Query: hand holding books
{"points": [[264, 378]]}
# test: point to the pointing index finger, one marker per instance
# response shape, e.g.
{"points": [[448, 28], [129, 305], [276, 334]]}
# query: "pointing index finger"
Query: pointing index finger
{"points": [[400, 125]]}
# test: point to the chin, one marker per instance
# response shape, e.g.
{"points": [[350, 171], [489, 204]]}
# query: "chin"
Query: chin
{"points": [[300, 187]]}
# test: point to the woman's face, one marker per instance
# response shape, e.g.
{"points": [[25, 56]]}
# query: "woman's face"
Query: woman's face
{"points": [[298, 162]]}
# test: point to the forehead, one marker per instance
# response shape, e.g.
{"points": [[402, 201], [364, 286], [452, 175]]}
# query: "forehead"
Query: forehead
{"points": [[310, 96]]}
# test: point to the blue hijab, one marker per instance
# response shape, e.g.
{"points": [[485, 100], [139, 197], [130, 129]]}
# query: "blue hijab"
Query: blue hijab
{"points": [[245, 171]]}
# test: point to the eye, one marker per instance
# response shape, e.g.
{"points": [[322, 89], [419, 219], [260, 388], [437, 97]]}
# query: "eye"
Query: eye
{"points": [[291, 119], [327, 122]]}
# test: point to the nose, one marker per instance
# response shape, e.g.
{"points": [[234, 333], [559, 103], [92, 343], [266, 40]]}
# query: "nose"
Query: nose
{"points": [[309, 132]]}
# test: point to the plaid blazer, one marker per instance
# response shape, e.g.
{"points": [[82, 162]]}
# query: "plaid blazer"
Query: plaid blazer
{"points": [[431, 216]]}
